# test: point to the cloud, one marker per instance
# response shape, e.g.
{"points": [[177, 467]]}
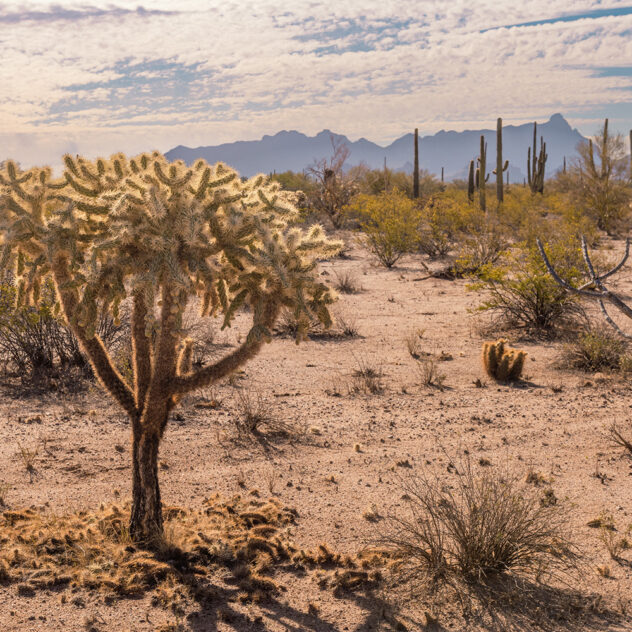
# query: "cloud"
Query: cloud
{"points": [[210, 72]]}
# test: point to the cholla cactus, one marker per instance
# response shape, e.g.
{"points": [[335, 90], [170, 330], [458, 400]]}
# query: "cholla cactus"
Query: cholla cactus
{"points": [[502, 362], [161, 235]]}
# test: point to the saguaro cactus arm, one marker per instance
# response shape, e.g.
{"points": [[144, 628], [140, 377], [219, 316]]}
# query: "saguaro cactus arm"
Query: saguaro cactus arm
{"points": [[600, 292]]}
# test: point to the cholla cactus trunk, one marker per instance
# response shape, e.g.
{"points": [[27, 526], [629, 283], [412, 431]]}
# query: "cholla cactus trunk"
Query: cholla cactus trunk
{"points": [[140, 228], [416, 166]]}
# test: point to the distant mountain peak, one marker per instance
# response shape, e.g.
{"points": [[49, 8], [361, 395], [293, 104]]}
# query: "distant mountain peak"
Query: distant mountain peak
{"points": [[559, 121], [447, 149]]}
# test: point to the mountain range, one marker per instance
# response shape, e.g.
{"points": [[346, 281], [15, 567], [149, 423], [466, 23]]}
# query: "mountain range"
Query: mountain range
{"points": [[292, 150]]}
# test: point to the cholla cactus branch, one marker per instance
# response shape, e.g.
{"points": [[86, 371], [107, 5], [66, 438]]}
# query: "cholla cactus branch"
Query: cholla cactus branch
{"points": [[602, 294], [94, 348]]}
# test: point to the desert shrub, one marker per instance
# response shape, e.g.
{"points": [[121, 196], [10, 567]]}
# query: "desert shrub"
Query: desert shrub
{"points": [[333, 187], [522, 293], [480, 527], [343, 326], [441, 221], [34, 341], [367, 378], [598, 179], [376, 181], [482, 241], [390, 224], [347, 282], [502, 362], [595, 350]]}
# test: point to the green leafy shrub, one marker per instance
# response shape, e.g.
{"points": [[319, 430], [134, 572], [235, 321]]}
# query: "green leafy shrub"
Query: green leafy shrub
{"points": [[596, 350], [441, 221], [390, 222], [522, 293]]}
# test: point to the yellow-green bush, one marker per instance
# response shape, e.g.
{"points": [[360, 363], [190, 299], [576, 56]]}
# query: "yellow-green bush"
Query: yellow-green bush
{"points": [[390, 222], [521, 291]]}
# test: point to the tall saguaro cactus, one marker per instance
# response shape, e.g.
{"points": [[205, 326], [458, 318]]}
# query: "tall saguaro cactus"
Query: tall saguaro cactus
{"points": [[470, 182], [416, 166], [535, 166], [159, 235], [481, 173], [500, 167]]}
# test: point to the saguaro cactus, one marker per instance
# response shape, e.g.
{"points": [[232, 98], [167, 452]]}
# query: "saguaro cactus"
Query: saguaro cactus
{"points": [[159, 235], [500, 167], [470, 182], [481, 173], [416, 166], [535, 166]]}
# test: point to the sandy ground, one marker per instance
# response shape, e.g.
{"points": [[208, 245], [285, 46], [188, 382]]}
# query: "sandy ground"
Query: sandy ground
{"points": [[554, 423]]}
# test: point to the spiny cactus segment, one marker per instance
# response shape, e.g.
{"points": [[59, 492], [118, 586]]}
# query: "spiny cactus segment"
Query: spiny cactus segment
{"points": [[501, 362]]}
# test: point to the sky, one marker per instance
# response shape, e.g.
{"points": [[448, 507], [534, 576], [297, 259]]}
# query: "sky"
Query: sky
{"points": [[97, 77]]}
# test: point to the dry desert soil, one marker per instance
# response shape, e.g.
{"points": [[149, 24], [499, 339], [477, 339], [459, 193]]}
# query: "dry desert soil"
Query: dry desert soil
{"points": [[339, 456]]}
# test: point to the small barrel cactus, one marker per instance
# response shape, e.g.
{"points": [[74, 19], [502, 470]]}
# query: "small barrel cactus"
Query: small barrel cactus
{"points": [[502, 362]]}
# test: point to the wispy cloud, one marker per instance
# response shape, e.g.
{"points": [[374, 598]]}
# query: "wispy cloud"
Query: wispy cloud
{"points": [[117, 75]]}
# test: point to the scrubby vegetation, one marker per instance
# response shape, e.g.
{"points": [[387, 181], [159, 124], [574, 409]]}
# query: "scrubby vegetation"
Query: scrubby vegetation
{"points": [[104, 271], [481, 527]]}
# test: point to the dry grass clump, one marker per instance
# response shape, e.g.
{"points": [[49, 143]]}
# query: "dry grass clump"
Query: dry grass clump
{"points": [[347, 282], [426, 366], [616, 543], [367, 378], [429, 374], [501, 362], [344, 326], [414, 344], [620, 439], [28, 456], [596, 350], [481, 528], [255, 412]]}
